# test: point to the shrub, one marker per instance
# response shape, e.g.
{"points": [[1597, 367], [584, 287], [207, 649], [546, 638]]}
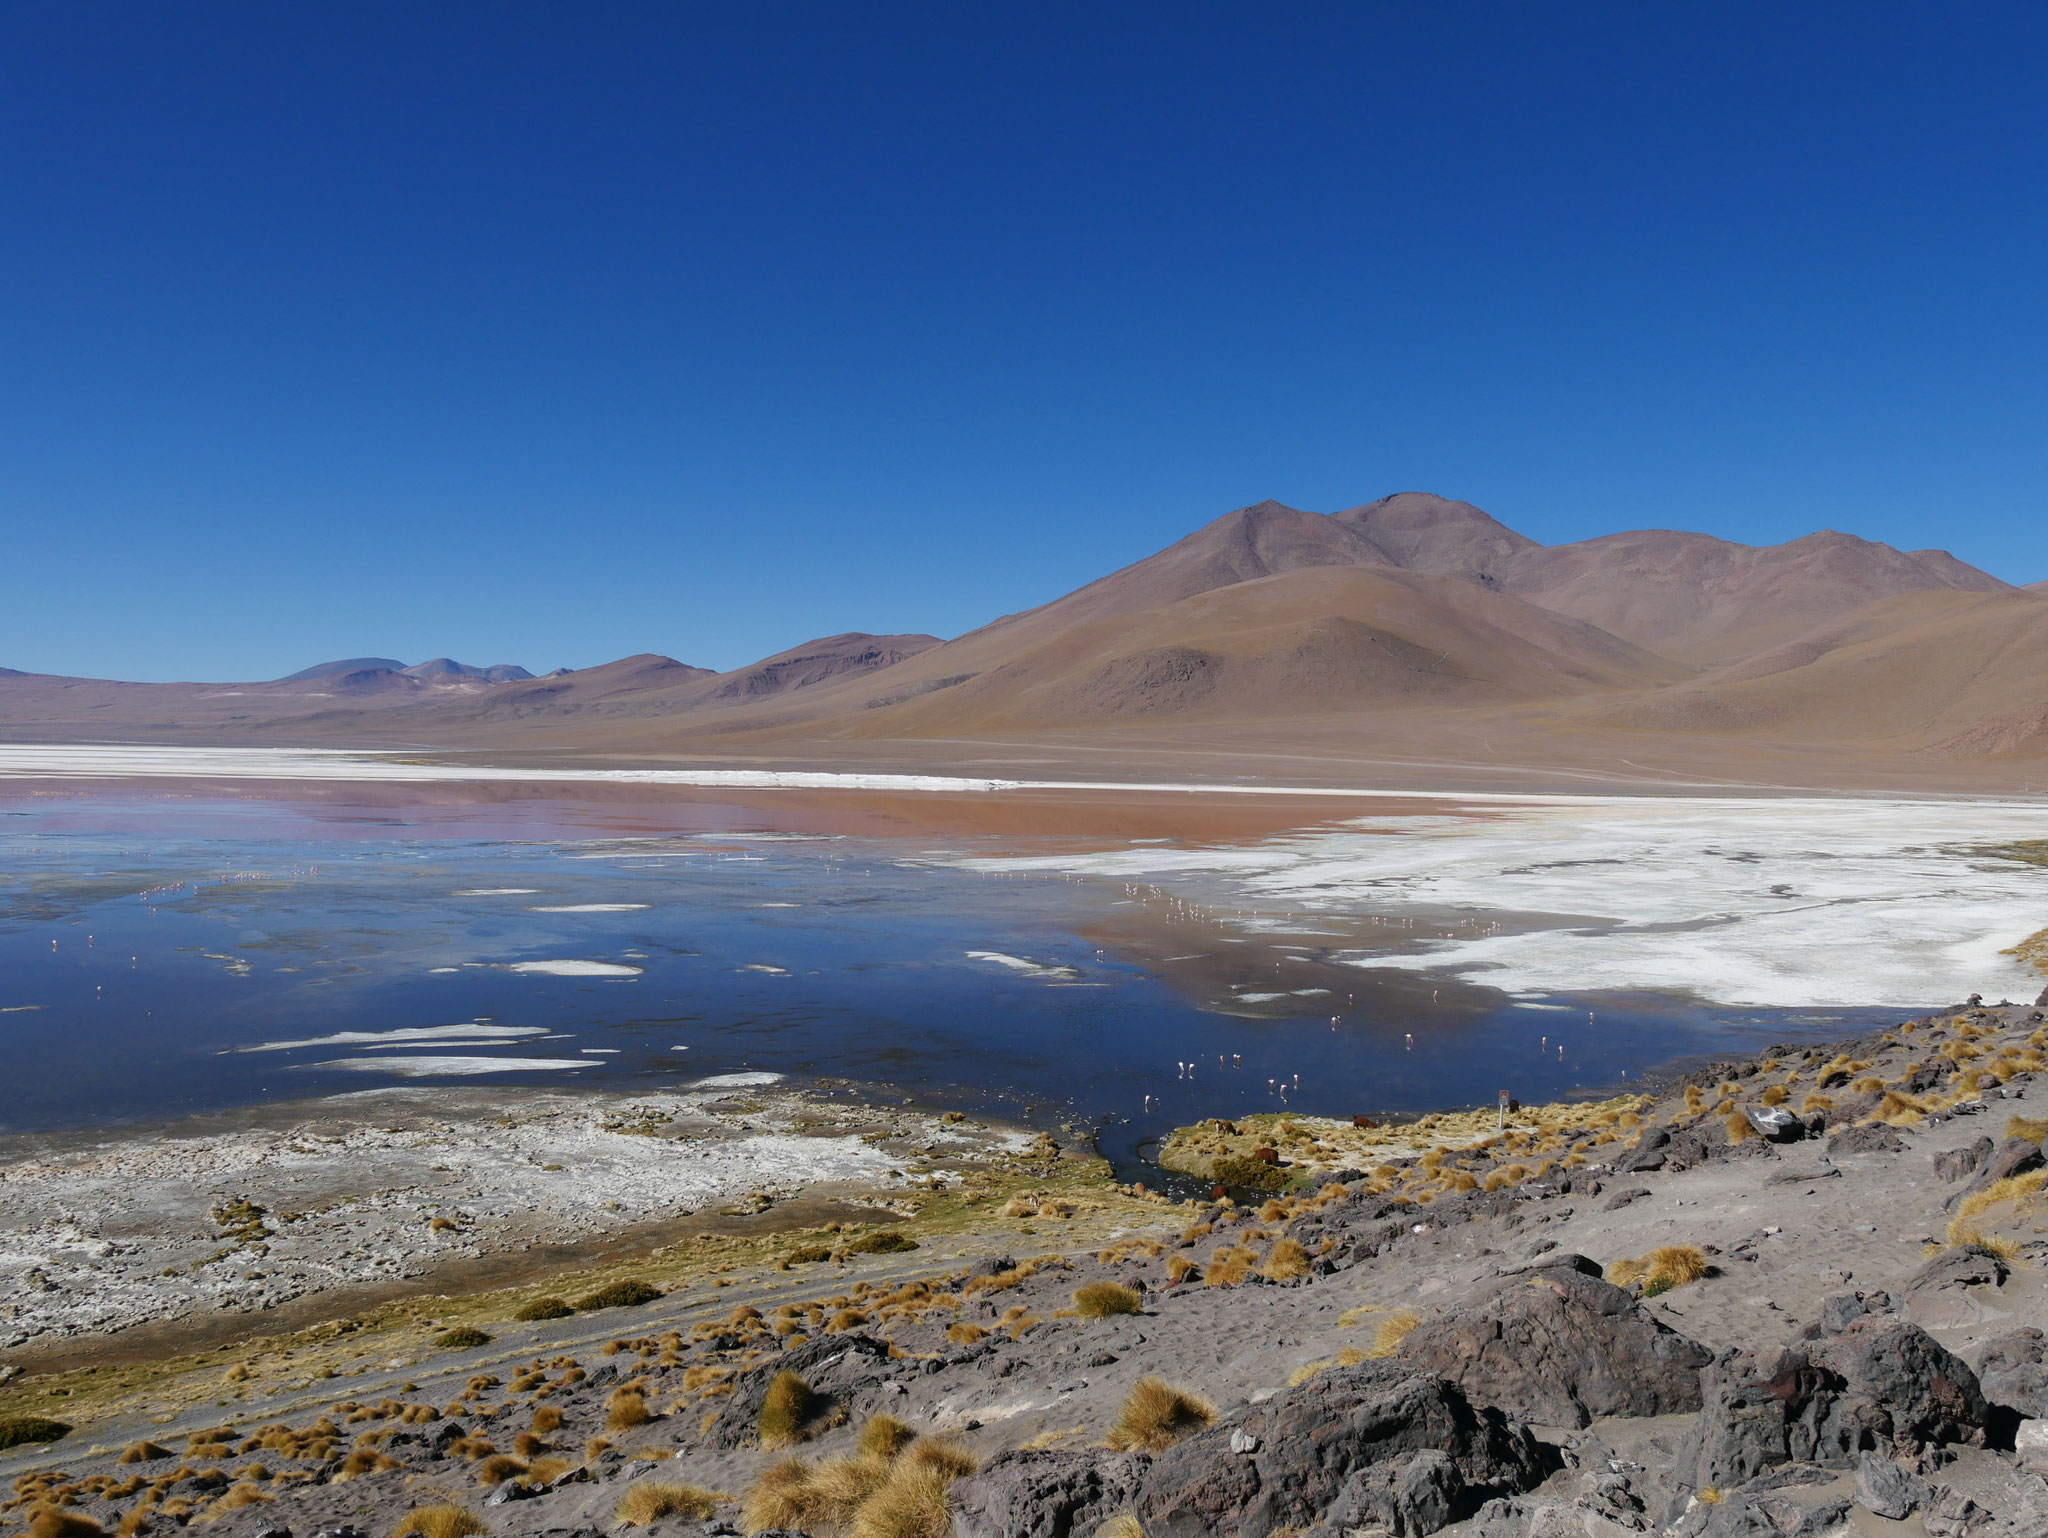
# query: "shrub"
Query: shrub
{"points": [[541, 1308], [461, 1338], [785, 1408], [626, 1294], [1099, 1300], [15, 1430], [649, 1500], [1156, 1415], [1249, 1174], [808, 1255], [887, 1242], [1391, 1330], [441, 1521], [1287, 1262]]}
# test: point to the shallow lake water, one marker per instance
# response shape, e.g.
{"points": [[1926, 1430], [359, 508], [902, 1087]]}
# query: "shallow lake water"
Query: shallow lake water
{"points": [[165, 955]]}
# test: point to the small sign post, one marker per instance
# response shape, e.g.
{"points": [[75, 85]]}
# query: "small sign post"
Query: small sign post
{"points": [[1503, 1110]]}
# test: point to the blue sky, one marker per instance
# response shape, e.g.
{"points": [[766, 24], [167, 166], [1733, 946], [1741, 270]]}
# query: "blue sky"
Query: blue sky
{"points": [[553, 333]]}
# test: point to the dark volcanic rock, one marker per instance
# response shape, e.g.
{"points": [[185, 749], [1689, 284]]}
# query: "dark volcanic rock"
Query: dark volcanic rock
{"points": [[2015, 1156], [1966, 1265], [2014, 1371], [1379, 1444], [1886, 1490], [1560, 1348], [1956, 1163], [1882, 1384], [838, 1367], [1873, 1137], [1045, 1494]]}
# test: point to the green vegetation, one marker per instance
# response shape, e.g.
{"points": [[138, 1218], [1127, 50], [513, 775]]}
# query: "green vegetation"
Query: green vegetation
{"points": [[16, 1430], [629, 1293]]}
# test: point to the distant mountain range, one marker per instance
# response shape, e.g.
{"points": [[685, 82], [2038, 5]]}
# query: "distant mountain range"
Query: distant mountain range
{"points": [[1385, 627]]}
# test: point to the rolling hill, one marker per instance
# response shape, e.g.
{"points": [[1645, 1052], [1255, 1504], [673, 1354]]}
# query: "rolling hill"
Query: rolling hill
{"points": [[1271, 621]]}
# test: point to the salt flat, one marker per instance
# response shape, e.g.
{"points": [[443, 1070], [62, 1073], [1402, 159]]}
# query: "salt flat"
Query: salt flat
{"points": [[1768, 902]]}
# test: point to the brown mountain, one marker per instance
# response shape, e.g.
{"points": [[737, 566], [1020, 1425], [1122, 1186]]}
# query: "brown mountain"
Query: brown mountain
{"points": [[1413, 623]]}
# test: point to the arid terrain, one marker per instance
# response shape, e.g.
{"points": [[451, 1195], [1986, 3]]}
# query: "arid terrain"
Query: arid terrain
{"points": [[1793, 1294], [1409, 634]]}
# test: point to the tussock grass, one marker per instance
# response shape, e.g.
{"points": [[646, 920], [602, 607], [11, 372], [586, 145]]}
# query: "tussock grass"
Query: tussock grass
{"points": [[2011, 1188], [461, 1338], [1156, 1415], [629, 1293], [2004, 1247], [234, 1499], [142, 1452], [2034, 1131], [1391, 1330], [627, 1409], [649, 1500], [884, 1436], [1777, 1094], [498, 1468], [543, 1308], [1228, 1267], [1179, 1268], [1668, 1266], [1288, 1262], [545, 1419], [1738, 1127], [56, 1522], [445, 1520], [367, 1460], [545, 1471], [914, 1502], [1100, 1300], [1123, 1525], [887, 1242], [964, 1333], [785, 1409]]}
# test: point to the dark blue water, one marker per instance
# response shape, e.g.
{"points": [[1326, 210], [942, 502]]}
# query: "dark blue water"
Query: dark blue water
{"points": [[145, 949]]}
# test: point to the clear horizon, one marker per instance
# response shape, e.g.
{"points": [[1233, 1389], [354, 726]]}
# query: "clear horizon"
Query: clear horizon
{"points": [[517, 333]]}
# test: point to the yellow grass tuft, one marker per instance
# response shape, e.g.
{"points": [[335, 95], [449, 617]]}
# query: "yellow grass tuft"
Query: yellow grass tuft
{"points": [[914, 1502], [1287, 1262], [2034, 1131], [1156, 1415], [1228, 1267], [2011, 1188], [785, 1409], [884, 1436], [440, 1521], [56, 1522], [143, 1452], [628, 1409], [1179, 1268], [1391, 1330], [1101, 1300], [649, 1500], [964, 1333], [1123, 1525]]}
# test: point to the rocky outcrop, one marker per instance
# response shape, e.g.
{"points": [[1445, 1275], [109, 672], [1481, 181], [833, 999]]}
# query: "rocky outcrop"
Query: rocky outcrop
{"points": [[1559, 1348], [2015, 1156], [1381, 1444], [2014, 1371], [1049, 1493], [1882, 1384], [839, 1368]]}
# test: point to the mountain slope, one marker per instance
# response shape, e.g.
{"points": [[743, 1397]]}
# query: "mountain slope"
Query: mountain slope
{"points": [[1961, 672]]}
